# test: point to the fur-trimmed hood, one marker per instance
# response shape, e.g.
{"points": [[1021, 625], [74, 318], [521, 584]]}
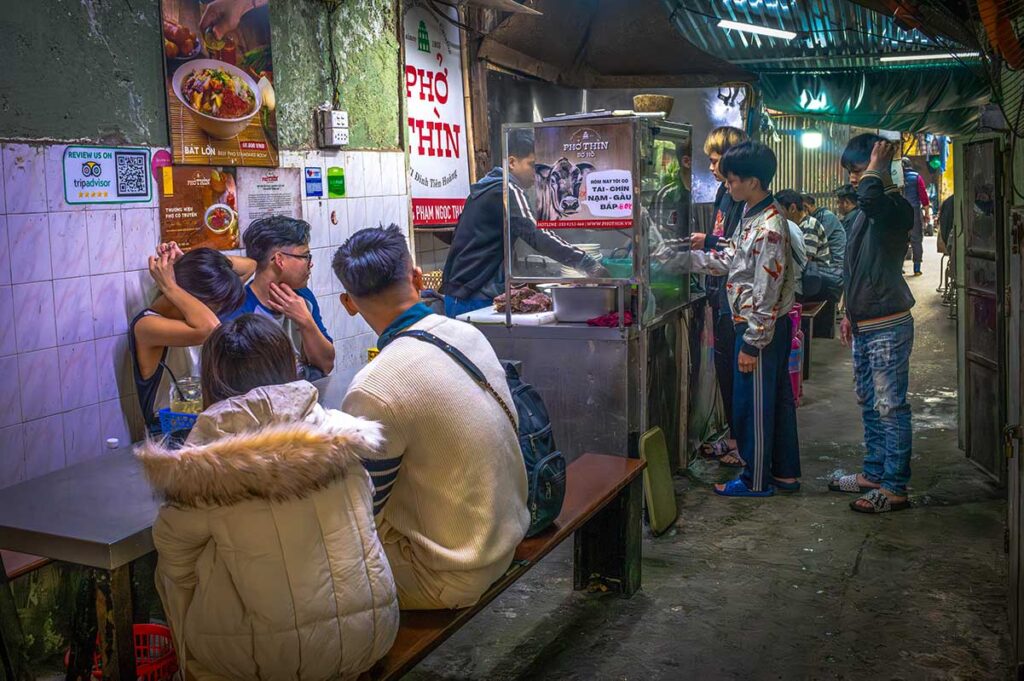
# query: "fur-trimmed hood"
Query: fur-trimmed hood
{"points": [[273, 443]]}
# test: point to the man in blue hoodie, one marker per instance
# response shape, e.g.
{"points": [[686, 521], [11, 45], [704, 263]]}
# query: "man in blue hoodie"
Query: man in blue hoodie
{"points": [[473, 273]]}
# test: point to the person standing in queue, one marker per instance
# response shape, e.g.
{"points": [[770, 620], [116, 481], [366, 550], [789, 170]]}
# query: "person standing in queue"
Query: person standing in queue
{"points": [[473, 274], [879, 326], [846, 203], [760, 286], [916, 194], [728, 214]]}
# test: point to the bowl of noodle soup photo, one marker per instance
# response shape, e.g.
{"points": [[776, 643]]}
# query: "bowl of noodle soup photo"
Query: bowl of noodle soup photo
{"points": [[222, 99]]}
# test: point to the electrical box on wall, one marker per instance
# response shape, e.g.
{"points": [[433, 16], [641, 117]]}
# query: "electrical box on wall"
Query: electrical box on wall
{"points": [[331, 128]]}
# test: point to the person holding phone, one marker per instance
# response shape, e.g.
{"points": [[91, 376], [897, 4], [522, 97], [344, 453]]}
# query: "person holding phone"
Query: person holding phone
{"points": [[879, 326]]}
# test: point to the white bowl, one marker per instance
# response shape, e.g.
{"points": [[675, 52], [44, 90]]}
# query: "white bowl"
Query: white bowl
{"points": [[223, 230], [219, 128]]}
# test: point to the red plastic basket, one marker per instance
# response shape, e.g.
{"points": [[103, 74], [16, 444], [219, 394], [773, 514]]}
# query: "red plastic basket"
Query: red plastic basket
{"points": [[155, 659]]}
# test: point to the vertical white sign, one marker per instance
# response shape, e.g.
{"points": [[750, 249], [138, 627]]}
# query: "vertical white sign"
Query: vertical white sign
{"points": [[438, 152]]}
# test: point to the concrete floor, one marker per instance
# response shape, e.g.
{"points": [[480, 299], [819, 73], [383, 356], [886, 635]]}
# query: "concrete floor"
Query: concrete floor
{"points": [[792, 587]]}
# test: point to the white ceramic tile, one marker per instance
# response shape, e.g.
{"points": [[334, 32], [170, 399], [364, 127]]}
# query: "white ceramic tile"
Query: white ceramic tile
{"points": [[336, 211], [5, 254], [404, 215], [315, 213], [72, 302], [402, 174], [69, 245], [10, 392], [320, 281], [44, 446], [29, 238], [133, 416], [375, 211], [39, 378], [373, 182], [393, 206], [108, 305], [12, 455], [114, 422], [8, 339], [326, 313], [24, 178], [141, 235], [55, 180], [34, 324], [139, 290], [82, 434], [105, 241], [78, 375], [114, 368], [355, 181]]}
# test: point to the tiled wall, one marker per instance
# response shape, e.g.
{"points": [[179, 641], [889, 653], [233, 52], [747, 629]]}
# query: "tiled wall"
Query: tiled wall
{"points": [[431, 252], [71, 277]]}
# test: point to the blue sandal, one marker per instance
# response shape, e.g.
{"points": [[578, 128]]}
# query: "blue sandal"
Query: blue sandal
{"points": [[738, 488]]}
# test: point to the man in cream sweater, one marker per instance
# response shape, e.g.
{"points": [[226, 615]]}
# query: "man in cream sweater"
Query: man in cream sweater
{"points": [[450, 485]]}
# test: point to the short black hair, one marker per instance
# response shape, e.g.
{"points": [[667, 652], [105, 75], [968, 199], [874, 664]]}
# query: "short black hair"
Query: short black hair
{"points": [[372, 260], [750, 159], [207, 274], [262, 236], [858, 150], [809, 199], [789, 197], [846, 191], [247, 352], [520, 142]]}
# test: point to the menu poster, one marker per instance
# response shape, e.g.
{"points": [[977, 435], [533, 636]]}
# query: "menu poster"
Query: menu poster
{"points": [[219, 81], [199, 207], [271, 191], [584, 177]]}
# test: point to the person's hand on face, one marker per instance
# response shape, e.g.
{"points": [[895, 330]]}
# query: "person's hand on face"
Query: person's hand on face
{"points": [[747, 363], [295, 268], [283, 300]]}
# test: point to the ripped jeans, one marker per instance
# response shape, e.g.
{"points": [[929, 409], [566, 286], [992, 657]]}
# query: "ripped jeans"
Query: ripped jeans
{"points": [[881, 368]]}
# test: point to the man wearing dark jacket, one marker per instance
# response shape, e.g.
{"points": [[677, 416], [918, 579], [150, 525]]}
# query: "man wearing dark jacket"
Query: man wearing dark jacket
{"points": [[879, 325], [473, 273]]}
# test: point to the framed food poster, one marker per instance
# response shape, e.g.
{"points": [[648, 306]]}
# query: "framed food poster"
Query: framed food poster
{"points": [[199, 207], [219, 81], [584, 176]]}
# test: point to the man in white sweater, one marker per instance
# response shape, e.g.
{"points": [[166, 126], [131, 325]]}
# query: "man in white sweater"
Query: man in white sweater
{"points": [[450, 487]]}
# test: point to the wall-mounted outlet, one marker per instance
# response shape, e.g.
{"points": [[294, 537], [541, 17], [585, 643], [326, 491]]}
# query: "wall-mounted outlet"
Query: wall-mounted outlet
{"points": [[331, 128]]}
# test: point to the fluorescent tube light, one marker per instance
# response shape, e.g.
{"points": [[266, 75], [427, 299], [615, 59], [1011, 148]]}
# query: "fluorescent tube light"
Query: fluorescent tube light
{"points": [[759, 30], [927, 57]]}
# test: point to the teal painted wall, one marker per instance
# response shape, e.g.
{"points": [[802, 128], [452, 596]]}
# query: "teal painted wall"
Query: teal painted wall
{"points": [[92, 70]]}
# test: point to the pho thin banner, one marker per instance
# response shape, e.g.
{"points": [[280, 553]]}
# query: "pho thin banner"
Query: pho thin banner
{"points": [[438, 157], [219, 80]]}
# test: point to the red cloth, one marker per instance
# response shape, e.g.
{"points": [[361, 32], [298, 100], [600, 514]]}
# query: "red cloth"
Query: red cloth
{"points": [[922, 193], [611, 320]]}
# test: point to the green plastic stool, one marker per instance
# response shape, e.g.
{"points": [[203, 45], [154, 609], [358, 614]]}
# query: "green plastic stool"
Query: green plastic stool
{"points": [[658, 488]]}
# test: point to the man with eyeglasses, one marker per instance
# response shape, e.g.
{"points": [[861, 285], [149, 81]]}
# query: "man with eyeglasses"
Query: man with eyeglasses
{"points": [[280, 247]]}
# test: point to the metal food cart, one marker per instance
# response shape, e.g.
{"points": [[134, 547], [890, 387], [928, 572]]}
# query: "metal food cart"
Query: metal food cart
{"points": [[606, 385]]}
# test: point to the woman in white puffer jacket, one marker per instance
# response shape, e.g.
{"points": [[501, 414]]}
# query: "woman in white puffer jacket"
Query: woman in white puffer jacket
{"points": [[269, 562]]}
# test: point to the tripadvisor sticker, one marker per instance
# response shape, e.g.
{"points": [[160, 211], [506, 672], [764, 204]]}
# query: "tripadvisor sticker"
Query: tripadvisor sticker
{"points": [[106, 175], [335, 183]]}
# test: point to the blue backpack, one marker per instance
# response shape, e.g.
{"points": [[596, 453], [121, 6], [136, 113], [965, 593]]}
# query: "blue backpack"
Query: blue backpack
{"points": [[545, 465]]}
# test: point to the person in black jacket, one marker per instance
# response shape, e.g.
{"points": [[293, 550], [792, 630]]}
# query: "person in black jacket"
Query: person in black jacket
{"points": [[879, 326], [473, 273]]}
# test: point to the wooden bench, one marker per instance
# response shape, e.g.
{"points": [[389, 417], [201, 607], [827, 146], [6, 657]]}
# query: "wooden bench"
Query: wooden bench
{"points": [[602, 509], [807, 315]]}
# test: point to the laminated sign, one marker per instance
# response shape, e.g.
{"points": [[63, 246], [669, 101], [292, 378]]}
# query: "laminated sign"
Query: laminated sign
{"points": [[584, 177], [107, 175], [439, 166]]}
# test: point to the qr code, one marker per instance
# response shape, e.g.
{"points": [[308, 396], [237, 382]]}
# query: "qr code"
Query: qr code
{"points": [[132, 175]]}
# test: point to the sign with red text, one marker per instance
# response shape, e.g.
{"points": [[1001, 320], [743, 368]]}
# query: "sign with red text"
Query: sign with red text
{"points": [[438, 152], [263, 192]]}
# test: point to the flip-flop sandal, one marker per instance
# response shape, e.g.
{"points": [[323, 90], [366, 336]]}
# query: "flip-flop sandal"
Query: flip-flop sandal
{"points": [[787, 487], [880, 503], [847, 484], [718, 451], [738, 488]]}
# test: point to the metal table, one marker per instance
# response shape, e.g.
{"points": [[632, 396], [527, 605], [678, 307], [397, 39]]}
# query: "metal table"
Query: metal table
{"points": [[98, 514]]}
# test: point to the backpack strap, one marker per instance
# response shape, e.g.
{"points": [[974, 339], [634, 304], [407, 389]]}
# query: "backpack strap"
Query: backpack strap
{"points": [[466, 363]]}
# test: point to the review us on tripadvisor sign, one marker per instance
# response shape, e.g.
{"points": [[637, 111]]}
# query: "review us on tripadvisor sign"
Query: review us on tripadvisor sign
{"points": [[438, 157], [107, 175]]}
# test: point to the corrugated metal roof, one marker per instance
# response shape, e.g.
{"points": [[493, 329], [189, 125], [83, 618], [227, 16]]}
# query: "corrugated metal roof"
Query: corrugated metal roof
{"points": [[833, 34]]}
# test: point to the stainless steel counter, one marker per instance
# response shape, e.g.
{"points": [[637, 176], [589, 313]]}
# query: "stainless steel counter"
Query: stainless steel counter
{"points": [[100, 512]]}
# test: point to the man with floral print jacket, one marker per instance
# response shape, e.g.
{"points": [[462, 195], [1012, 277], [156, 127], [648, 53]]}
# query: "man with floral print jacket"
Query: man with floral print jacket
{"points": [[760, 289]]}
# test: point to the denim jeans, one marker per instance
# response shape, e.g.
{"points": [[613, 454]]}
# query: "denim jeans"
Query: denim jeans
{"points": [[453, 306], [881, 367]]}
